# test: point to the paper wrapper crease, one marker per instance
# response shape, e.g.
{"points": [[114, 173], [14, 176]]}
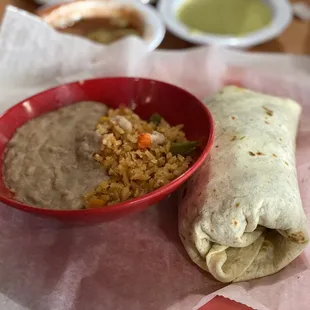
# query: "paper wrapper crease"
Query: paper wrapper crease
{"points": [[136, 262]]}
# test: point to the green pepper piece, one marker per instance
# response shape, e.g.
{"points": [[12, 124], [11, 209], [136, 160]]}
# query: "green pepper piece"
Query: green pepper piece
{"points": [[155, 118], [184, 148]]}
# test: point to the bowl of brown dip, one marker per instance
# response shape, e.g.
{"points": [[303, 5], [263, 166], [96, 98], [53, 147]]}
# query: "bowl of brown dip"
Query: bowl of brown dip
{"points": [[100, 149], [106, 21]]}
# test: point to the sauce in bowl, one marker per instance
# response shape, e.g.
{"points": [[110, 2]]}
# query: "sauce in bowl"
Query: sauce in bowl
{"points": [[225, 17], [103, 23], [107, 29]]}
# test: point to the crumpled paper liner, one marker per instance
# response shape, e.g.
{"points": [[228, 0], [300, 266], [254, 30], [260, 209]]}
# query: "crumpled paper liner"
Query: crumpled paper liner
{"points": [[137, 262]]}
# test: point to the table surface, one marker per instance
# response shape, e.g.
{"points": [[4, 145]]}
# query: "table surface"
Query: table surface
{"points": [[295, 39]]}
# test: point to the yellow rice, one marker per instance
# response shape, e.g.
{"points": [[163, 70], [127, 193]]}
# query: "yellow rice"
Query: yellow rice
{"points": [[134, 172]]}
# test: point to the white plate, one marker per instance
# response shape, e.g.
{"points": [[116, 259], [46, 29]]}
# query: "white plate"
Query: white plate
{"points": [[282, 17]]}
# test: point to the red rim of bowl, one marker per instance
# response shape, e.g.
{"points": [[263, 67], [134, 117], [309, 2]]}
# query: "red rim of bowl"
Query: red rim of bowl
{"points": [[128, 203]]}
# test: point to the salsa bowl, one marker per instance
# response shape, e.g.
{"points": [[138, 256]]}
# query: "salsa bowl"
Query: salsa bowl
{"points": [[95, 20]]}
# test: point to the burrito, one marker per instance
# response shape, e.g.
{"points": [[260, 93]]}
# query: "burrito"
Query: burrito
{"points": [[241, 215]]}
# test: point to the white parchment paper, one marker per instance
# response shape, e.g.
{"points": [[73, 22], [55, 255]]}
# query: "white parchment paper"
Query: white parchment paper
{"points": [[136, 262]]}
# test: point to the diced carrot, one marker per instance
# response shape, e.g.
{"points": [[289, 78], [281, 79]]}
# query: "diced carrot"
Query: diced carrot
{"points": [[144, 141], [95, 203]]}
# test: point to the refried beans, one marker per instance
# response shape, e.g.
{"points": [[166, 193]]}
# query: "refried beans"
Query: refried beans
{"points": [[49, 161]]}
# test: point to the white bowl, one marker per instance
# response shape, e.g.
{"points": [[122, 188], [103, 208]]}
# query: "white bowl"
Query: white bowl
{"points": [[154, 27], [281, 18]]}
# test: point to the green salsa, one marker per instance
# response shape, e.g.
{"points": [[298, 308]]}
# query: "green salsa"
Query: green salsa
{"points": [[225, 17]]}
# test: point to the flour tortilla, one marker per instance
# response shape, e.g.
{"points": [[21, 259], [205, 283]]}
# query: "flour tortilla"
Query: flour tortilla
{"points": [[241, 215]]}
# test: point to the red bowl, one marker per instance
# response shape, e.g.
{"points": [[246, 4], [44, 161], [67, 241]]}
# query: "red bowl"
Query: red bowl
{"points": [[176, 105]]}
